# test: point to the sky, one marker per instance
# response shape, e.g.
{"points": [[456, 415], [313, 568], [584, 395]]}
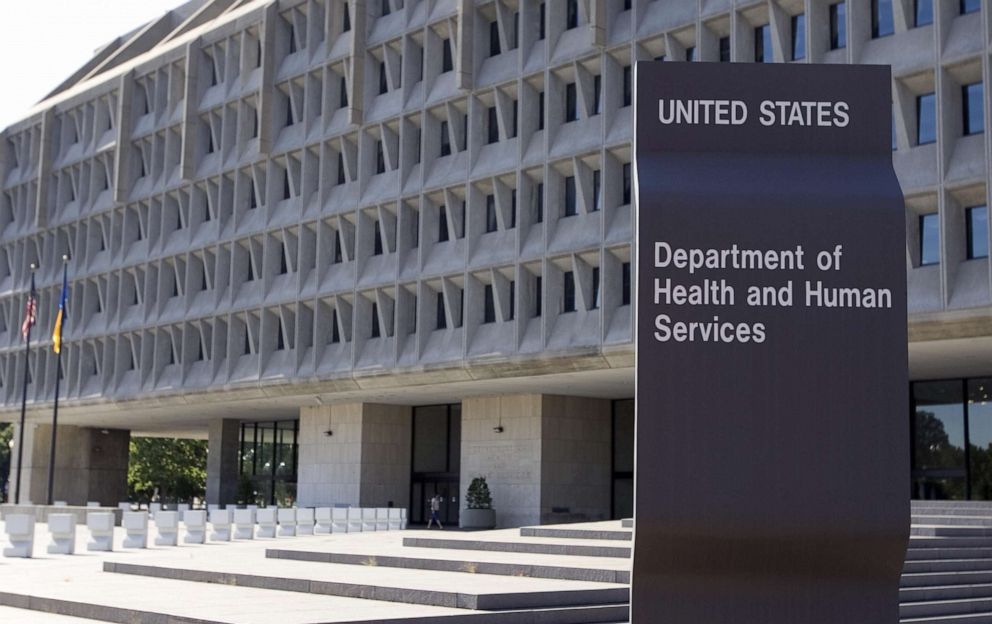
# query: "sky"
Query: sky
{"points": [[42, 42]]}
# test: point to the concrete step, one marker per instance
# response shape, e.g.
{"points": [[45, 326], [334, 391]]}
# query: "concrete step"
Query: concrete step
{"points": [[918, 542], [944, 592], [964, 618], [956, 577], [951, 531], [946, 565], [566, 533], [438, 589], [936, 519], [935, 553], [933, 608], [475, 566], [627, 523], [578, 550]]}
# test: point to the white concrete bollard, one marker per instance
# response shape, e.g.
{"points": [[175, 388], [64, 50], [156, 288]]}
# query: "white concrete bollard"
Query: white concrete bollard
{"points": [[244, 524], [266, 519], [382, 519], [135, 523], [368, 519], [403, 518], [92, 504], [220, 522], [252, 507], [124, 506], [181, 507], [354, 520], [101, 527], [60, 504], [62, 528], [304, 521], [212, 507], [20, 533], [395, 519], [339, 520], [167, 527], [323, 517], [196, 526], [154, 508], [287, 522]]}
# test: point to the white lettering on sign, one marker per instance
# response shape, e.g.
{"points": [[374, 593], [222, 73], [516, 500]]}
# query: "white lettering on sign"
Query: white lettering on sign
{"points": [[698, 112]]}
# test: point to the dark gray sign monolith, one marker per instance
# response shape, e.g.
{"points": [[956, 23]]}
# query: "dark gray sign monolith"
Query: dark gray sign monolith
{"points": [[772, 462]]}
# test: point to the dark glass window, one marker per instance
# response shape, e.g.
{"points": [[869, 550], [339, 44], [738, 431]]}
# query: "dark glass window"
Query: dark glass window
{"points": [[441, 322], [628, 85], [335, 332], [376, 238], [338, 255], [490, 213], [383, 84], [343, 98], [571, 103], [341, 175], [626, 184], [252, 199], [541, 17], [494, 47], [625, 283], [539, 203], [626, 5], [346, 18], [572, 14], [386, 9], [972, 101], [538, 295], [417, 145], [926, 119], [570, 207], [798, 36], [597, 88], [375, 321], [979, 408], [595, 289], [442, 225], [838, 25], [416, 228], [929, 239], [380, 158], [977, 222], [447, 63], [513, 123], [513, 208], [922, 13], [724, 49], [286, 189], [596, 183], [690, 54], [445, 139], [492, 126], [568, 292], [939, 467], [881, 18], [283, 266], [970, 6], [763, 44], [540, 109], [488, 305], [513, 301], [464, 143]]}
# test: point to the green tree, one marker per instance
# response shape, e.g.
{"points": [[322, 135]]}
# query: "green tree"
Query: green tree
{"points": [[178, 468], [6, 434]]}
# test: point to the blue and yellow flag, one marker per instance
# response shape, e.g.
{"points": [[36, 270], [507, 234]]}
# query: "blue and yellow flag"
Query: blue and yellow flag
{"points": [[57, 332]]}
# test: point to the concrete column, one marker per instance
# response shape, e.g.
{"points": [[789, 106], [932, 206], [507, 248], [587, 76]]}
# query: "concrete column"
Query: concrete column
{"points": [[356, 454], [222, 461], [551, 461], [90, 465]]}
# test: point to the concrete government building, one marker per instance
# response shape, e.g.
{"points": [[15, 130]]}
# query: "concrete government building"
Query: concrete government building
{"points": [[374, 248]]}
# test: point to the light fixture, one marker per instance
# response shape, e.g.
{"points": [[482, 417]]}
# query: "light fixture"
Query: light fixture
{"points": [[498, 428], [328, 433]]}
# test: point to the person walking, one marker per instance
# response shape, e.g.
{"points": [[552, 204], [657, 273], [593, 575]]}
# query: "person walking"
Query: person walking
{"points": [[435, 503]]}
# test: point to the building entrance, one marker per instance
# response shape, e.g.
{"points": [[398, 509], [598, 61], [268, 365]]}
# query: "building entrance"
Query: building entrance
{"points": [[436, 462]]}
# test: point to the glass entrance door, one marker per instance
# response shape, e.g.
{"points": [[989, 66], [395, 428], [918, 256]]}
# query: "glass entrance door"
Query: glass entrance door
{"points": [[436, 462]]}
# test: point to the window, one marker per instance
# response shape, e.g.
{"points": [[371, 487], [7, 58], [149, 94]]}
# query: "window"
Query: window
{"points": [[446, 61], [570, 209], [494, 48], [724, 49], [572, 14], [493, 126], [513, 301], [343, 97], [568, 292], [596, 183], [380, 158], [625, 283], [977, 221], [970, 6], [441, 322], [445, 139], [595, 289], [798, 37], [513, 124], [341, 175], [540, 109], [926, 119], [539, 203], [489, 305], [922, 13], [376, 238], [337, 247], [375, 333], [763, 44], [513, 208], [335, 333], [571, 103], [283, 266], [626, 5], [383, 85], [416, 228], [597, 89], [538, 295], [972, 97], [442, 225], [417, 145], [287, 191], [345, 19], [626, 184], [881, 18], [490, 213], [540, 25], [690, 54], [628, 82], [929, 239], [386, 9], [838, 26]]}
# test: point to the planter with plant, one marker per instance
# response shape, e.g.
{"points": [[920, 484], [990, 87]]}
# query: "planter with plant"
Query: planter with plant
{"points": [[479, 513]]}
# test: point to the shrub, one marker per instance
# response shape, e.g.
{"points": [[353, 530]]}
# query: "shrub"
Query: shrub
{"points": [[478, 496]]}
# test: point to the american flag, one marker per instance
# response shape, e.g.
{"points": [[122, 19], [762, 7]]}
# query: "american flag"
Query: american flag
{"points": [[30, 311]]}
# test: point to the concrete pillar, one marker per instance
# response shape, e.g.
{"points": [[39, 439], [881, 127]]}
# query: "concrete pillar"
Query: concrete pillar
{"points": [[356, 454], [551, 461], [90, 464], [222, 461]]}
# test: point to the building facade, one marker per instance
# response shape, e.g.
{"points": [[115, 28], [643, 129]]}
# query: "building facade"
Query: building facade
{"points": [[372, 249]]}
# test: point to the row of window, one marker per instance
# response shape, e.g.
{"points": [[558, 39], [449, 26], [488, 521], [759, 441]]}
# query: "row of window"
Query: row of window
{"points": [[976, 235], [972, 114], [883, 20]]}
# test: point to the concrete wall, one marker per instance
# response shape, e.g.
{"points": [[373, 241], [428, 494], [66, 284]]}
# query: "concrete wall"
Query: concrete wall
{"points": [[90, 465], [365, 461], [222, 461]]}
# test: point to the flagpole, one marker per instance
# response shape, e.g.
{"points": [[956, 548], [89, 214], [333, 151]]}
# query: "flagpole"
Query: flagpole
{"points": [[58, 377], [24, 393]]}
